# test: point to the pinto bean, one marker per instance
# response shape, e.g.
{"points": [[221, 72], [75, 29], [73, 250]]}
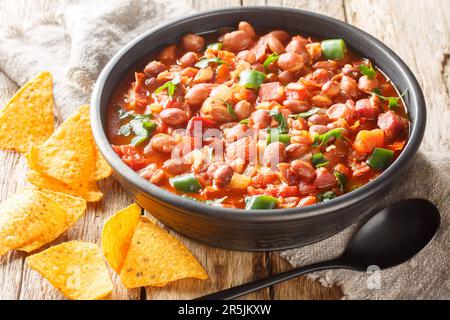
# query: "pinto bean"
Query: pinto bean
{"points": [[274, 154], [318, 129], [188, 59], [223, 175], [236, 40], [197, 94], [324, 179], [297, 106], [286, 77], [366, 84], [153, 68], [261, 118], [339, 110], [219, 112], [243, 109], [281, 35], [204, 75], [176, 166], [247, 55], [296, 150], [319, 118], [193, 42], [349, 86], [330, 88], [173, 117], [299, 124], [291, 61], [162, 142], [303, 169], [247, 28], [275, 45], [321, 101], [365, 109]]}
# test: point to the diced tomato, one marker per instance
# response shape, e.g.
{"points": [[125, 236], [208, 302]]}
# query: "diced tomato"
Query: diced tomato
{"points": [[272, 91], [189, 72], [307, 201], [288, 191], [366, 140], [252, 191], [131, 156], [261, 180], [297, 91], [223, 73], [227, 56]]}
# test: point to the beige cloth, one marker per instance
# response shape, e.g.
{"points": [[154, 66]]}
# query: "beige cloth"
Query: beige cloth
{"points": [[77, 42]]}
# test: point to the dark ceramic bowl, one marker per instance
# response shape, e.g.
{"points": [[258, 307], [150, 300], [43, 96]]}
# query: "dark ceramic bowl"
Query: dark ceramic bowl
{"points": [[257, 230]]}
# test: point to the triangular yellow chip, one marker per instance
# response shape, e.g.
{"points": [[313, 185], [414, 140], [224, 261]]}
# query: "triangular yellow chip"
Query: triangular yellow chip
{"points": [[117, 234], [28, 117], [75, 207], [76, 268], [29, 220], [69, 156], [156, 258], [102, 168]]}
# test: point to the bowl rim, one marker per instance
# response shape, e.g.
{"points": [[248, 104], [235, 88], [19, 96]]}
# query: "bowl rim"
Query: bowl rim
{"points": [[167, 198]]}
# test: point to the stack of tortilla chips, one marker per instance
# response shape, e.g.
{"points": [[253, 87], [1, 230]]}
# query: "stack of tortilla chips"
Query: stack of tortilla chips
{"points": [[65, 166]]}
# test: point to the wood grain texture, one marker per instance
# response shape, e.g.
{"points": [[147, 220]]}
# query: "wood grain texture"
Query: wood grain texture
{"points": [[416, 30]]}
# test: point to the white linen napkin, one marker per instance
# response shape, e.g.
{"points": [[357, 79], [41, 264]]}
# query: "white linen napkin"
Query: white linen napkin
{"points": [[76, 42]]}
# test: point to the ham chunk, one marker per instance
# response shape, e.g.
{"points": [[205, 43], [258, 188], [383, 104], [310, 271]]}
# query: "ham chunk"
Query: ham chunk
{"points": [[392, 124], [272, 91]]}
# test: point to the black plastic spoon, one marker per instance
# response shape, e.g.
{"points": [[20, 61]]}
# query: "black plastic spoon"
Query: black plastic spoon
{"points": [[389, 238]]}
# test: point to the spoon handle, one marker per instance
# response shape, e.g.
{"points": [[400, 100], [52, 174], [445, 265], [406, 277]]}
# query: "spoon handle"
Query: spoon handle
{"points": [[248, 287]]}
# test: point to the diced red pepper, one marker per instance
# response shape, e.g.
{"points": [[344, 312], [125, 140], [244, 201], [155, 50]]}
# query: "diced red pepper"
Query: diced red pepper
{"points": [[131, 156]]}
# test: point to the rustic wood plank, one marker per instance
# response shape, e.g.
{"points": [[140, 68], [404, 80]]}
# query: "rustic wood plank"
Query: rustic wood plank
{"points": [[419, 32], [12, 165], [16, 279]]}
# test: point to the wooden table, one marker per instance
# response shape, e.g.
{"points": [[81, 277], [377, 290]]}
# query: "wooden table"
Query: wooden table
{"points": [[419, 31]]}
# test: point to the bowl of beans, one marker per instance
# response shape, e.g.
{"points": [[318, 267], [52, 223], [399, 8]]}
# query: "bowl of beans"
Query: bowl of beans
{"points": [[257, 128]]}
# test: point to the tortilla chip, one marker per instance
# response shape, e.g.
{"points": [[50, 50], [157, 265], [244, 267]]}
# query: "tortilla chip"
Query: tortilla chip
{"points": [[75, 207], [28, 117], [102, 169], [43, 181], [69, 156], [29, 220], [117, 234], [156, 258], [76, 268]]}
